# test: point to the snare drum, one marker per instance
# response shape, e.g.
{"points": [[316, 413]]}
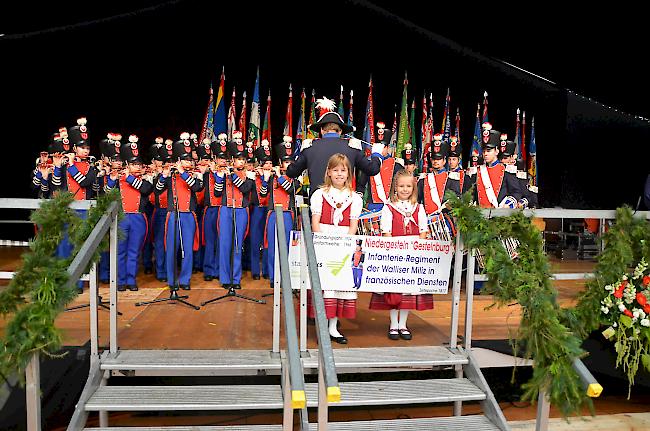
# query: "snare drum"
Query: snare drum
{"points": [[441, 227], [369, 223], [510, 244]]}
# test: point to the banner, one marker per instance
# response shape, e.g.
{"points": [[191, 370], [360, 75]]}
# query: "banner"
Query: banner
{"points": [[376, 264]]}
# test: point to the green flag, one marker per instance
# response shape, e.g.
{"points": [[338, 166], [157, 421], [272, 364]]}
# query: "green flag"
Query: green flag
{"points": [[404, 134]]}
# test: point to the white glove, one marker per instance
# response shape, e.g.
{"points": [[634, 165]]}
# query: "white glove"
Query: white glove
{"points": [[422, 175], [377, 148], [472, 170]]}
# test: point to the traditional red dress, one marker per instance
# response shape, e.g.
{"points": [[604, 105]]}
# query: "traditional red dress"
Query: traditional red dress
{"points": [[336, 208], [402, 218]]}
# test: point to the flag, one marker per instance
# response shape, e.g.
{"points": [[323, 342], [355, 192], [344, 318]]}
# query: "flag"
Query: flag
{"points": [[412, 128], [232, 116], [242, 116], [404, 134], [393, 138], [220, 123], [522, 148], [206, 127], [517, 135], [341, 110], [369, 120], [312, 115], [266, 130], [350, 118], [446, 121], [254, 125], [300, 131], [485, 106], [426, 143], [476, 140], [288, 118], [457, 135], [532, 161]]}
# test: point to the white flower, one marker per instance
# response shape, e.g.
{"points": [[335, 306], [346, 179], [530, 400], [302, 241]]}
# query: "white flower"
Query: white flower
{"points": [[615, 324], [621, 307], [608, 302], [625, 277], [637, 331], [642, 314], [605, 310], [645, 322]]}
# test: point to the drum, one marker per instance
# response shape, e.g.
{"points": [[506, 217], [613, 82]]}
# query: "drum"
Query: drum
{"points": [[510, 244], [369, 223], [441, 227]]}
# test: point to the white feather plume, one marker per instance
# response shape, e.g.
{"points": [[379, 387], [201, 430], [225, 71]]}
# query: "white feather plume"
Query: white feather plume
{"points": [[326, 104]]}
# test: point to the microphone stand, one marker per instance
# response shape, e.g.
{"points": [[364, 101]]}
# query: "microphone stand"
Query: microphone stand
{"points": [[173, 288], [234, 245]]}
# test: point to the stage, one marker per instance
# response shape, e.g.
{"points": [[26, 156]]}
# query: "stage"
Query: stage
{"points": [[238, 324]]}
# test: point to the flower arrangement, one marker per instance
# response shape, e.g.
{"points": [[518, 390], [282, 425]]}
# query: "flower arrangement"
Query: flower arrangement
{"points": [[626, 309]]}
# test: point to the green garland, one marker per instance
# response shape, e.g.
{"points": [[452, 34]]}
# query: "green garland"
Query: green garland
{"points": [[37, 293], [627, 245], [542, 335]]}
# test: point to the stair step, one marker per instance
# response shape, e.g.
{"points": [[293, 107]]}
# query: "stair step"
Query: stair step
{"points": [[169, 362], [195, 428], [453, 423], [379, 393], [204, 397], [390, 357]]}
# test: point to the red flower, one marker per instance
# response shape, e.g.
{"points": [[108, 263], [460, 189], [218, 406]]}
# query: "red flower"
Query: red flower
{"points": [[646, 308], [618, 293], [646, 280], [641, 299], [628, 313]]}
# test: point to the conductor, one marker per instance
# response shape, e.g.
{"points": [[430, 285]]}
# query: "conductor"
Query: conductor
{"points": [[314, 154]]}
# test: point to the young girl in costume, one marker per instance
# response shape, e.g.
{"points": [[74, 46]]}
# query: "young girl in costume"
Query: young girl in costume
{"points": [[402, 216], [335, 208]]}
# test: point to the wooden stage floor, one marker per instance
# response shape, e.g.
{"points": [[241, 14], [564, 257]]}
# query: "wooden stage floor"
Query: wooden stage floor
{"points": [[238, 324]]}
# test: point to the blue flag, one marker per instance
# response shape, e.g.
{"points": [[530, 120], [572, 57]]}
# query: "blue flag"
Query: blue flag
{"points": [[476, 140]]}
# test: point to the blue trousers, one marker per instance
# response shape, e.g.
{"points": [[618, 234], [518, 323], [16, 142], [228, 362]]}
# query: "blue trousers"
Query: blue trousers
{"points": [[198, 254], [270, 235], [65, 247], [104, 266], [256, 233], [147, 250], [211, 238], [356, 274], [134, 229], [231, 274], [158, 233], [186, 232]]}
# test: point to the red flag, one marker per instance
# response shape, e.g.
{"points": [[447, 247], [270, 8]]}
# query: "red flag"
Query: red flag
{"points": [[523, 138], [232, 120], [485, 106], [242, 116], [288, 121], [206, 127]]}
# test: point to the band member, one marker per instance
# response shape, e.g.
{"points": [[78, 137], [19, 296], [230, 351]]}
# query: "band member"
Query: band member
{"points": [[259, 211], [160, 157], [233, 188], [76, 175], [379, 184], [181, 186], [211, 217], [494, 187], [281, 190], [409, 159], [431, 187], [508, 157], [134, 226]]}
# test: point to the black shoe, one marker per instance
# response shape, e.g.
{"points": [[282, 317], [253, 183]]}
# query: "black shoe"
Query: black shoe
{"points": [[148, 271], [393, 334], [226, 286], [195, 270], [340, 340], [256, 277], [311, 321], [271, 285], [265, 276], [236, 286], [80, 290], [185, 286], [208, 278], [405, 334], [162, 279], [121, 288], [133, 288], [104, 281]]}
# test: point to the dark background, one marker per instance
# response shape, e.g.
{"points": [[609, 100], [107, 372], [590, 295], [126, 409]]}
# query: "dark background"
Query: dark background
{"points": [[144, 67]]}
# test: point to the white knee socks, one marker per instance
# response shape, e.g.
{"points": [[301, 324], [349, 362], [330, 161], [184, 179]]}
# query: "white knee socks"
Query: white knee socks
{"points": [[334, 332]]}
